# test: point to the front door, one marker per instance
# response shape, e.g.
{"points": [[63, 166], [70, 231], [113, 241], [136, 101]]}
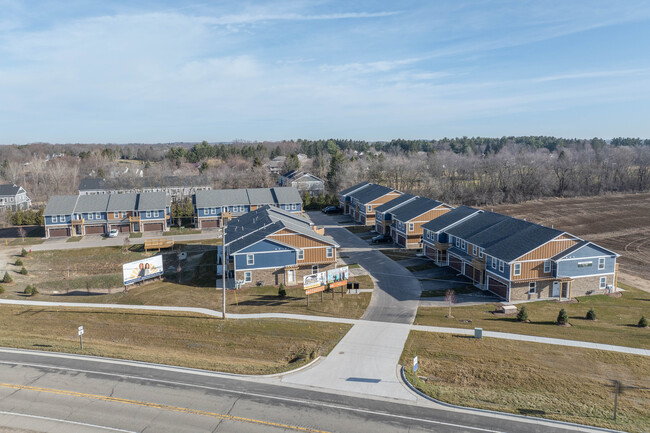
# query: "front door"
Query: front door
{"points": [[556, 289], [291, 276]]}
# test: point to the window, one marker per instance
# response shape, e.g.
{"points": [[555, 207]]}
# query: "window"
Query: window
{"points": [[463, 244], [601, 263], [480, 252], [148, 214], [248, 276], [250, 259], [90, 216], [411, 227], [314, 269], [585, 264], [494, 263], [603, 282], [475, 250], [116, 214], [457, 242], [294, 207], [155, 214], [301, 255], [329, 252], [516, 270], [213, 211], [547, 266], [98, 216], [532, 287], [501, 266], [55, 219], [369, 207]]}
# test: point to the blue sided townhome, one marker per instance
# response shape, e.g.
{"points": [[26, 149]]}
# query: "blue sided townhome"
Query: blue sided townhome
{"points": [[270, 246]]}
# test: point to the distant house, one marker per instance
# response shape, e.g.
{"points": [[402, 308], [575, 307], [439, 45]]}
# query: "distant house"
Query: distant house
{"points": [[99, 213], [304, 182], [270, 246], [176, 187], [409, 218], [212, 208], [13, 197]]}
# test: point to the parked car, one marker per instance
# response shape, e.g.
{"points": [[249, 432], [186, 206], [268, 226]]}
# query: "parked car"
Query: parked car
{"points": [[113, 233], [381, 239], [331, 210]]}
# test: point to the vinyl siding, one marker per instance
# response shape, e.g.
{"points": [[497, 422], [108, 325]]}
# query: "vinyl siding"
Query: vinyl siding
{"points": [[569, 268], [549, 249], [276, 259]]}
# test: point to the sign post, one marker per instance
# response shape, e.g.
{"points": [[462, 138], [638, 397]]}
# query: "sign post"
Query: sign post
{"points": [[415, 369], [81, 341]]}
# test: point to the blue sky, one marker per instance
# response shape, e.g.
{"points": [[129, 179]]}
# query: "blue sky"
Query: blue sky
{"points": [[88, 71]]}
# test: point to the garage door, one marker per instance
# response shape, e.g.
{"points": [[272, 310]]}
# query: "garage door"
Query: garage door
{"points": [[401, 240], [209, 223], [151, 227], [469, 271], [498, 288], [94, 230], [122, 228], [58, 232], [430, 252], [455, 263]]}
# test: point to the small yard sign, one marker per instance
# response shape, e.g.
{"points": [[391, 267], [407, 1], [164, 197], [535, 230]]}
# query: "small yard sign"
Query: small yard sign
{"points": [[415, 364]]}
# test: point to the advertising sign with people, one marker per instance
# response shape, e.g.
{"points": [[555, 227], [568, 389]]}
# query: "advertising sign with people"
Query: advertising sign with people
{"points": [[314, 280], [338, 277], [141, 270]]}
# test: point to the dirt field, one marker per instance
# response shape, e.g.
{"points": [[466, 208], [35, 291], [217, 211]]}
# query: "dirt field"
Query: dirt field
{"points": [[618, 222]]}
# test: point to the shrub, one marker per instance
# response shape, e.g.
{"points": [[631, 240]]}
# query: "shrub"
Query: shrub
{"points": [[23, 253], [562, 317], [281, 291], [522, 315], [23, 271], [30, 290], [591, 314], [2, 290], [19, 262], [643, 322], [7, 278]]}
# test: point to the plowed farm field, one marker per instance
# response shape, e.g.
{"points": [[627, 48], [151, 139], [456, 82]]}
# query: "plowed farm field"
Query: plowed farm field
{"points": [[618, 222]]}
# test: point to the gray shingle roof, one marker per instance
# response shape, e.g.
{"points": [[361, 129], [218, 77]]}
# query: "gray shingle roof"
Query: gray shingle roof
{"points": [[221, 197], [60, 205], [9, 189], [450, 218], [152, 201], [122, 202], [354, 188], [92, 203], [286, 195], [370, 193], [92, 184], [260, 196], [413, 208], [399, 200]]}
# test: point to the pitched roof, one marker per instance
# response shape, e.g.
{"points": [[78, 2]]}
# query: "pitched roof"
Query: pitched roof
{"points": [[354, 188], [221, 197], [92, 203], [297, 174], [580, 245], [413, 208], [286, 195], [370, 193], [260, 196], [122, 202], [450, 218], [60, 205], [397, 201], [152, 201], [92, 184], [9, 189]]}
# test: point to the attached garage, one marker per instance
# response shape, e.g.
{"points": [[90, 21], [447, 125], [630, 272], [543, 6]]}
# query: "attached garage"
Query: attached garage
{"points": [[59, 232], [95, 230], [401, 240], [206, 224], [455, 263], [152, 227], [469, 271], [498, 288], [122, 228], [430, 251]]}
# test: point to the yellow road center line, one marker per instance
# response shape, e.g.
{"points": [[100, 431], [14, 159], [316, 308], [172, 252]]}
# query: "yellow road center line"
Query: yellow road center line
{"points": [[158, 406]]}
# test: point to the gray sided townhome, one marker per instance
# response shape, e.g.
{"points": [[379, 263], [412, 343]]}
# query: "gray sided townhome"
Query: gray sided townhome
{"points": [[366, 200], [409, 218], [345, 196], [270, 246], [97, 214], [175, 186], [13, 197], [304, 182], [384, 213], [213, 208], [518, 260]]}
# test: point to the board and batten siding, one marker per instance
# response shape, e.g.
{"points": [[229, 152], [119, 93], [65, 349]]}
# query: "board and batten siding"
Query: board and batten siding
{"points": [[549, 249], [297, 240]]}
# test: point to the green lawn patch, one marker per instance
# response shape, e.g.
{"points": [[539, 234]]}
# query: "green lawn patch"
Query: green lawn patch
{"points": [[615, 325], [358, 229], [135, 235], [74, 239], [182, 231], [399, 254], [26, 241], [525, 378], [354, 266]]}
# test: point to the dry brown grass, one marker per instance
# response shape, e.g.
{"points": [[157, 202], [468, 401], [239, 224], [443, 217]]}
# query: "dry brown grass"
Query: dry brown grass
{"points": [[562, 383], [237, 346]]}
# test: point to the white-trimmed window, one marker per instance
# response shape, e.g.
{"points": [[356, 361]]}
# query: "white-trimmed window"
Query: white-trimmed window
{"points": [[148, 214], [494, 263], [294, 207], [155, 214], [411, 227], [458, 242], [301, 255], [90, 216], [329, 252], [463, 244], [501, 266], [547, 266], [55, 219], [603, 282], [248, 276], [585, 264], [369, 208], [475, 250], [532, 287], [213, 211], [98, 216], [314, 269], [116, 214], [516, 269], [601, 263], [250, 259], [480, 252]]}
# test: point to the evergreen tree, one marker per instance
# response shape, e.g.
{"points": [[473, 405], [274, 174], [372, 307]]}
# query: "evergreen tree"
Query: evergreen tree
{"points": [[335, 173], [281, 291], [562, 317], [591, 314], [522, 315], [643, 322], [7, 278]]}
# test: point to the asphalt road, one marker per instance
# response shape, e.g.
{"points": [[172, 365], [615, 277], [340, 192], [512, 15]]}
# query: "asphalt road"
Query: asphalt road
{"points": [[60, 393]]}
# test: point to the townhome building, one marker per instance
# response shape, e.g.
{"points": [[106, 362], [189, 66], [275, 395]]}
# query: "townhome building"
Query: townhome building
{"points": [[271, 246], [304, 182], [384, 213], [97, 214], [345, 196], [214, 208], [435, 241], [409, 218], [175, 186], [366, 200], [13, 197]]}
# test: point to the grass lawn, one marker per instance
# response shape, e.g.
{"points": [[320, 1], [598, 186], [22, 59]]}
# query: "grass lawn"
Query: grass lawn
{"points": [[135, 235], [442, 292], [213, 241], [354, 266], [358, 229], [237, 346], [182, 231], [562, 383], [74, 239], [423, 267], [400, 254], [26, 241], [615, 324]]}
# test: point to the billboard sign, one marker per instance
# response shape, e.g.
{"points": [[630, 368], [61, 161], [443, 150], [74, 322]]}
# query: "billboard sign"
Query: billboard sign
{"points": [[315, 290], [141, 270], [338, 277], [314, 280]]}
